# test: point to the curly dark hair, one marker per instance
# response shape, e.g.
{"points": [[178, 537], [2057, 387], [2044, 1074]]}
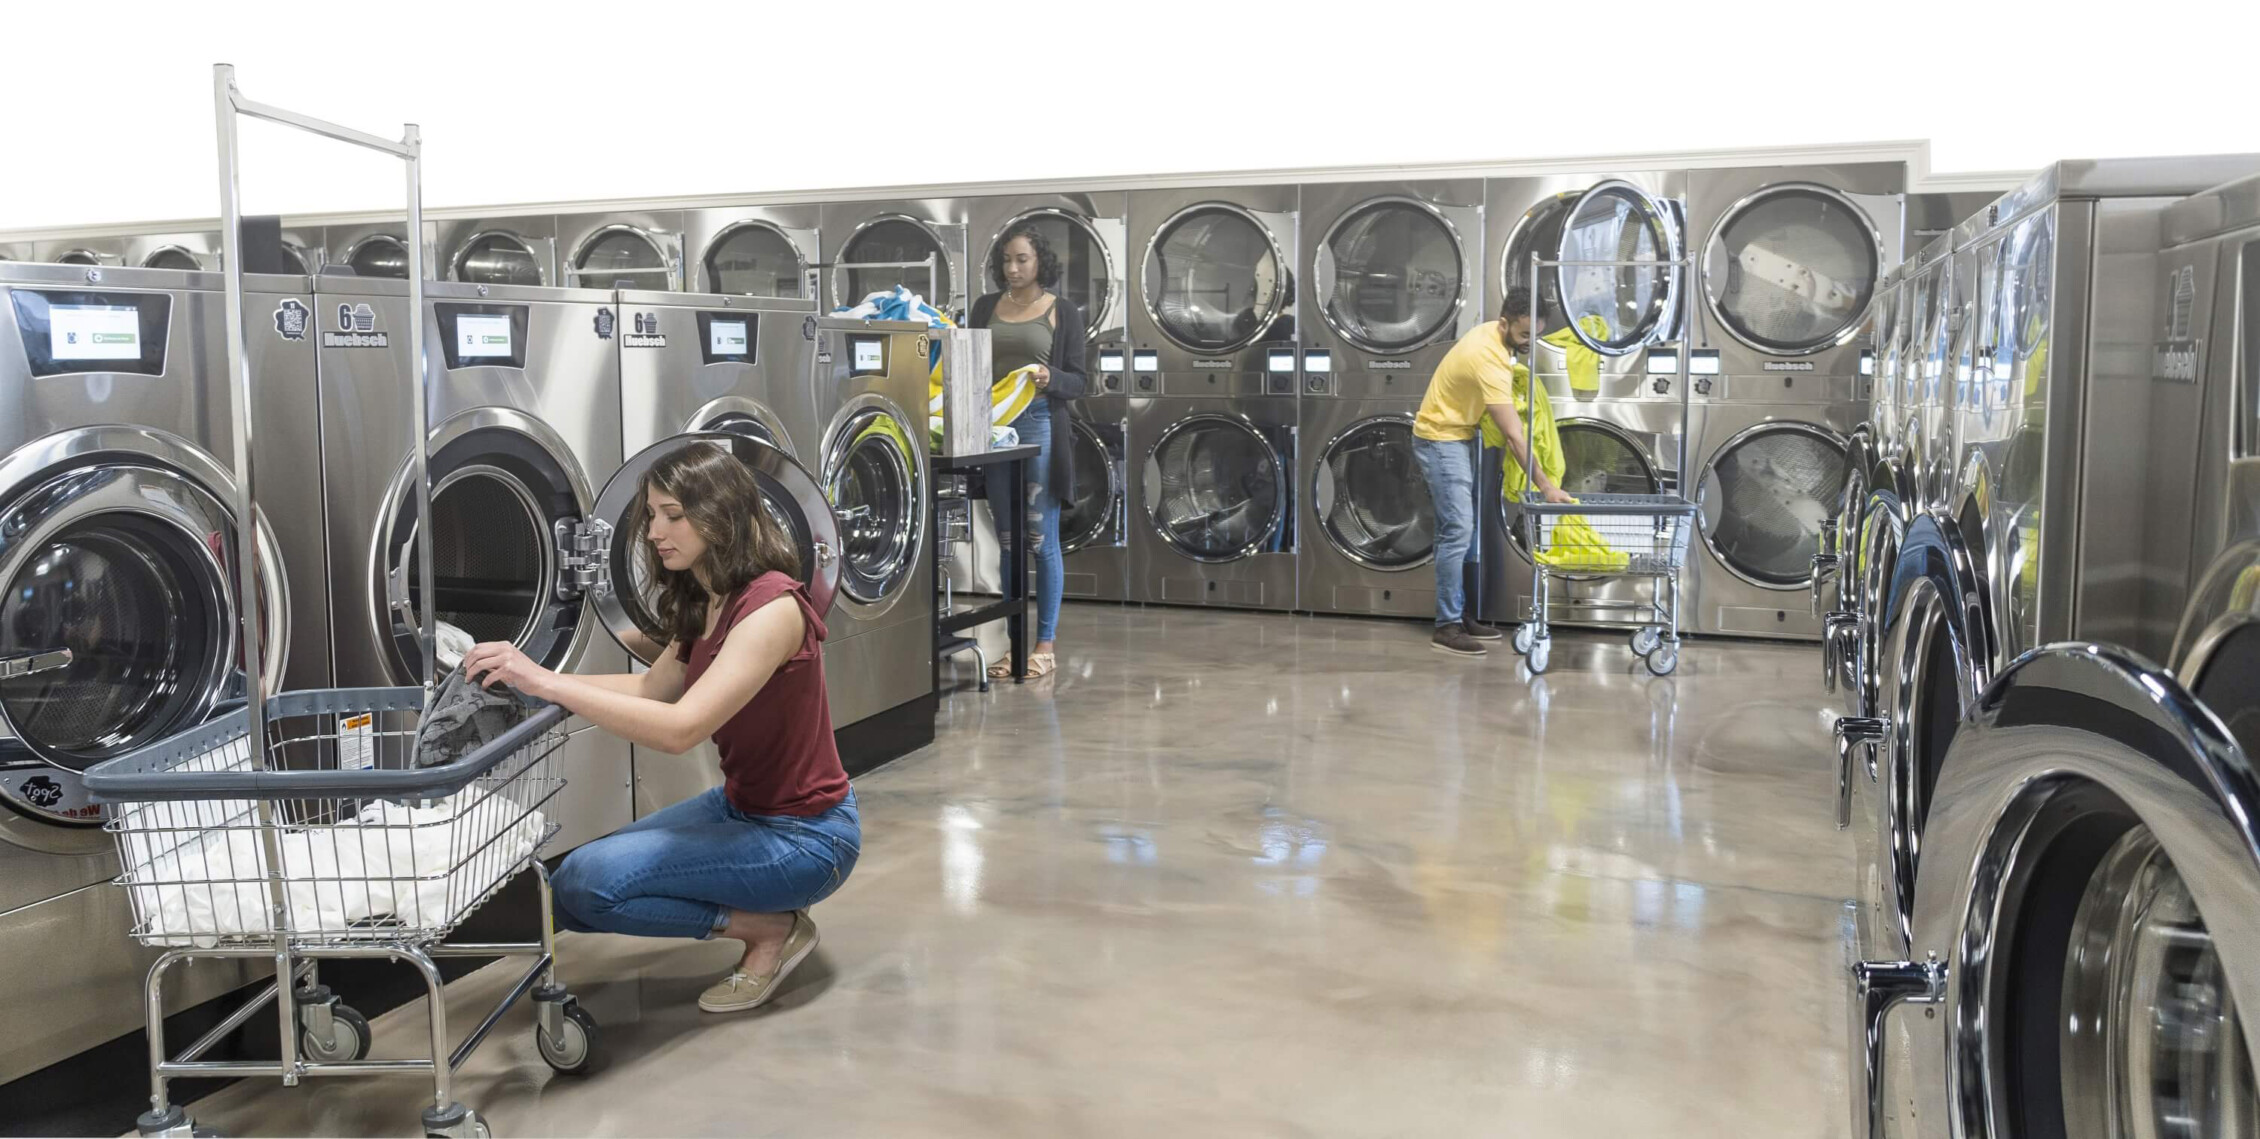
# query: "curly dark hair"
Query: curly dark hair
{"points": [[1047, 262], [1517, 303], [723, 503]]}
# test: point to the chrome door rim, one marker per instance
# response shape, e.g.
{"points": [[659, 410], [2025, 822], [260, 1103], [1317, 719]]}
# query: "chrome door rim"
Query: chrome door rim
{"points": [[1710, 464], [1322, 260], [1270, 455], [839, 445], [651, 240], [1320, 467], [1091, 320], [1713, 242], [160, 251], [1672, 241], [472, 243], [1279, 296], [353, 252], [722, 237]]}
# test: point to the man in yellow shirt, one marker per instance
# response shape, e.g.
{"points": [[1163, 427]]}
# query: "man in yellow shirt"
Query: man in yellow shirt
{"points": [[1476, 378]]}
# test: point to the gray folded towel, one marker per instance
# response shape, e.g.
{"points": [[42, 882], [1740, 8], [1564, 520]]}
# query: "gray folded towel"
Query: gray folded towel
{"points": [[465, 717]]}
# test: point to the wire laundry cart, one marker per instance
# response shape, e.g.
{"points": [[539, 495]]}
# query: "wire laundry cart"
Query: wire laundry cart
{"points": [[1608, 535], [299, 827]]}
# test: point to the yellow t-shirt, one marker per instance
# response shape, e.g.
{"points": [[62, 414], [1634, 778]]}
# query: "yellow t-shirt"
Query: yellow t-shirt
{"points": [[1477, 372]]}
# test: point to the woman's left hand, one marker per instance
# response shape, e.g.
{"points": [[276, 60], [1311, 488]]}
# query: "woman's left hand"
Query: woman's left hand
{"points": [[1042, 376], [500, 661]]}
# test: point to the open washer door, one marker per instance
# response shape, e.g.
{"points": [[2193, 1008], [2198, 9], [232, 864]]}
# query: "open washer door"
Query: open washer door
{"points": [[873, 480], [791, 497]]}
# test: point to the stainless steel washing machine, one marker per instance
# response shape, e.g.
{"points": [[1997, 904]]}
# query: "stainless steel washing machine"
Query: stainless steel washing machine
{"points": [[516, 251], [709, 370], [1620, 432], [1395, 280], [523, 391], [869, 450], [1213, 381], [641, 250], [753, 251], [117, 502], [888, 236]]}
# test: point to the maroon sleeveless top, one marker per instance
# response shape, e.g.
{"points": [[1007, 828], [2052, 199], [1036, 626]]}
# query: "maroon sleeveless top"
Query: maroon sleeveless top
{"points": [[778, 757]]}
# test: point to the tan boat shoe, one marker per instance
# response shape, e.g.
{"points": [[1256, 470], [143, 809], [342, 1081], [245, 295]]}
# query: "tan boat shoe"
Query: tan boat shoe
{"points": [[739, 991]]}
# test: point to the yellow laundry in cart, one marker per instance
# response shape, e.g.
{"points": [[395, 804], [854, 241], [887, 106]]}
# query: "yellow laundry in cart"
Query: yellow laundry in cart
{"points": [[1572, 544]]}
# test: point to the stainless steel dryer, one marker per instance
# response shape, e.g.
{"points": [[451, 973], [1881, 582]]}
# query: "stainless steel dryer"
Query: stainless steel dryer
{"points": [[378, 250], [869, 450], [1621, 434], [1213, 404], [1773, 468], [753, 251], [887, 236], [519, 251], [117, 502], [524, 404], [706, 370], [1395, 280], [640, 250]]}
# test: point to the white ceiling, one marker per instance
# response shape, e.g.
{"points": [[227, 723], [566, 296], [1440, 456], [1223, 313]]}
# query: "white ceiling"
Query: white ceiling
{"points": [[112, 112]]}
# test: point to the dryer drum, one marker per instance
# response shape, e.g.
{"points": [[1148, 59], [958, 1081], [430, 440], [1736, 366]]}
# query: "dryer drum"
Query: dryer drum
{"points": [[1213, 279], [379, 256], [1372, 498], [1792, 269], [1398, 278], [1084, 518], [1765, 498], [489, 555], [755, 259], [498, 259], [1213, 486], [617, 254], [893, 242], [171, 257]]}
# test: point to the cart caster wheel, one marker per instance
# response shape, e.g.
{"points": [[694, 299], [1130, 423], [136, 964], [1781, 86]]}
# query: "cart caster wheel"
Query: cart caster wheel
{"points": [[578, 1049], [1540, 655], [1645, 640], [457, 1122], [1664, 660], [174, 1122], [349, 1038], [1525, 636]]}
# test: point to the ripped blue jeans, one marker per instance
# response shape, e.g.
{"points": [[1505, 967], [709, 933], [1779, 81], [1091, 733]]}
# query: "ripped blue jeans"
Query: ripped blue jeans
{"points": [[1035, 429]]}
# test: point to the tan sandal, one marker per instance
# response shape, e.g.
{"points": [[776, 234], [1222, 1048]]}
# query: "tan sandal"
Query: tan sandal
{"points": [[1002, 670], [1040, 665]]}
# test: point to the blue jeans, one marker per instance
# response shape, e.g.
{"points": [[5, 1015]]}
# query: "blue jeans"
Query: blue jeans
{"points": [[679, 872], [1450, 468], [1035, 429]]}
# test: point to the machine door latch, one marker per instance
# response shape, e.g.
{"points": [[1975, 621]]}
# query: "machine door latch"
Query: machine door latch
{"points": [[583, 558], [45, 661]]}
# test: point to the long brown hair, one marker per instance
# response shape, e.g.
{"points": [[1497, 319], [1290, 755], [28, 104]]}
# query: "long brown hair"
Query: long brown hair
{"points": [[724, 505]]}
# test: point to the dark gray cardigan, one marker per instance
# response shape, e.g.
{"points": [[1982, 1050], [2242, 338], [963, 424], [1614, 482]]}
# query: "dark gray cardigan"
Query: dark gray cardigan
{"points": [[1070, 380]]}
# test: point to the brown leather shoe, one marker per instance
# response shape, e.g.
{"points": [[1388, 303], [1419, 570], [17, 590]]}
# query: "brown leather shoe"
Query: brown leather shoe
{"points": [[1481, 631], [1454, 640]]}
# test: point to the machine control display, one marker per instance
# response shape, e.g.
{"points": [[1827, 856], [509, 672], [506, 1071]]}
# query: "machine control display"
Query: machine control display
{"points": [[1279, 360], [867, 355], [1110, 361], [1145, 360], [1703, 362], [482, 337], [1867, 361], [66, 332], [726, 338], [1318, 360], [94, 332], [1663, 362], [1700, 362], [729, 337]]}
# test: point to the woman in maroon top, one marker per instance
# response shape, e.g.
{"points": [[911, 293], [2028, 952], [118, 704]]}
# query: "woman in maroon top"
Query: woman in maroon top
{"points": [[744, 666]]}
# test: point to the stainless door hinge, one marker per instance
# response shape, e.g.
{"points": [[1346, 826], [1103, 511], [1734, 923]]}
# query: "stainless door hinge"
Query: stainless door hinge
{"points": [[584, 562]]}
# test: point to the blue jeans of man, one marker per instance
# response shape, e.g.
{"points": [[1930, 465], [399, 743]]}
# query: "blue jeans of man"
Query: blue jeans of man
{"points": [[678, 872], [1035, 429], [1450, 467]]}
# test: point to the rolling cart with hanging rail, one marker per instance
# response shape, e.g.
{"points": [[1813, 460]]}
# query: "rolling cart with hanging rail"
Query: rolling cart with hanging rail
{"points": [[1648, 532], [299, 827]]}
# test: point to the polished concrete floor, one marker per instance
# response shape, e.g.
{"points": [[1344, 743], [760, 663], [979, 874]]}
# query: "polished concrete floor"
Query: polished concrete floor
{"points": [[1241, 875]]}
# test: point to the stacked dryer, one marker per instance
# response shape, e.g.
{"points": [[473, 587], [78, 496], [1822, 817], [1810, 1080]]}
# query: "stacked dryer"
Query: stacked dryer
{"points": [[1394, 281], [1213, 378], [633, 250], [118, 595], [1620, 433], [917, 243], [753, 251], [1791, 259], [517, 251]]}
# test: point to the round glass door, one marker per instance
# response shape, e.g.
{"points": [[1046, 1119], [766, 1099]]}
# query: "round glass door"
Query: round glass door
{"points": [[894, 244], [125, 566], [1765, 497], [379, 256], [1391, 276], [1790, 269], [171, 257], [871, 480], [1215, 488], [1616, 309], [1084, 519], [1214, 279], [1597, 458], [1372, 499], [498, 259], [619, 256], [1086, 266], [79, 257], [790, 497], [755, 259]]}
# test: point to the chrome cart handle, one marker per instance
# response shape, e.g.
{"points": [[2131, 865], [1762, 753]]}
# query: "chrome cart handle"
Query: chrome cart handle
{"points": [[47, 660], [1877, 986], [1852, 732]]}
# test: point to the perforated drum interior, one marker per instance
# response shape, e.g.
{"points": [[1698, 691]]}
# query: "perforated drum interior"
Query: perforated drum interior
{"points": [[1391, 276], [1372, 498], [1790, 270], [621, 256], [754, 259], [1214, 488], [498, 259], [895, 243], [1765, 497], [1213, 279]]}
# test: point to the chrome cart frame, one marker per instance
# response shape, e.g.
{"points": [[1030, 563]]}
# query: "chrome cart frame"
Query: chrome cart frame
{"points": [[1648, 531], [221, 830]]}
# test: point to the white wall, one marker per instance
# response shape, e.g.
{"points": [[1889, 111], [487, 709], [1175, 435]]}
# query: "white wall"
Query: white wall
{"points": [[110, 107]]}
